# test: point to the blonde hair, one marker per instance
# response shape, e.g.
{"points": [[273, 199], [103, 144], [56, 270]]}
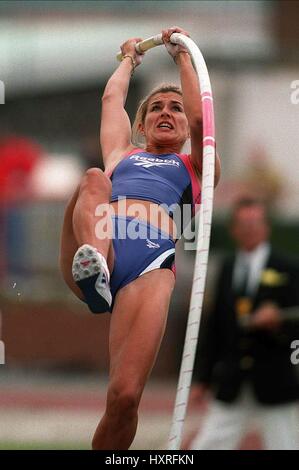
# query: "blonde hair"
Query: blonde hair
{"points": [[137, 137]]}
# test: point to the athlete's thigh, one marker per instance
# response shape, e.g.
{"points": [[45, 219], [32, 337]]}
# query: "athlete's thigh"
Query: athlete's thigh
{"points": [[138, 324]]}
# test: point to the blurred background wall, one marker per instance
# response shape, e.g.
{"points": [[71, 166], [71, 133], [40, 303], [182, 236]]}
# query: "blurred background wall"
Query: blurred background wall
{"points": [[55, 58]]}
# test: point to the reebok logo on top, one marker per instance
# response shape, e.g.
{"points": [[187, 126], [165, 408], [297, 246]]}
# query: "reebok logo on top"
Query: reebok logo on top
{"points": [[151, 244], [147, 162]]}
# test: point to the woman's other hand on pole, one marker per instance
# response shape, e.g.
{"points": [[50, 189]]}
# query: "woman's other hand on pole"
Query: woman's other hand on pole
{"points": [[173, 49]]}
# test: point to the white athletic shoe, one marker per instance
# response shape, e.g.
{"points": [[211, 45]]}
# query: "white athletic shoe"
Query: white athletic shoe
{"points": [[91, 274]]}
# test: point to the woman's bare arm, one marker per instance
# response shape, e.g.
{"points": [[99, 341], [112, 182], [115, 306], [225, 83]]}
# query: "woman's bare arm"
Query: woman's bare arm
{"points": [[191, 99], [193, 110], [115, 130]]}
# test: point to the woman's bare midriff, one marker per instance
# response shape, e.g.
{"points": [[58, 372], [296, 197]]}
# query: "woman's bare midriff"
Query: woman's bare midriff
{"points": [[147, 211]]}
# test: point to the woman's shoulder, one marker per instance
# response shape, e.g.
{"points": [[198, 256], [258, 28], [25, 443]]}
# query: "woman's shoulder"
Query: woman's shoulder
{"points": [[185, 157], [120, 155], [133, 150], [187, 160]]}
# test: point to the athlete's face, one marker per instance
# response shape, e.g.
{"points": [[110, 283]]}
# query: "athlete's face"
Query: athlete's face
{"points": [[165, 121]]}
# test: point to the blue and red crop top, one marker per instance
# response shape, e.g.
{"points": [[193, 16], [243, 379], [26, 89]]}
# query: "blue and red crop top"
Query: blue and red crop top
{"points": [[167, 179]]}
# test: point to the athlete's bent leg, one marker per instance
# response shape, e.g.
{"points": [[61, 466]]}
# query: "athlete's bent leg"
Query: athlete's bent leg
{"points": [[93, 231], [94, 193], [88, 206]]}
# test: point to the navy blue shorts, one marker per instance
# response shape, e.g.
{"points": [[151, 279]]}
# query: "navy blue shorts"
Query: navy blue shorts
{"points": [[138, 248]]}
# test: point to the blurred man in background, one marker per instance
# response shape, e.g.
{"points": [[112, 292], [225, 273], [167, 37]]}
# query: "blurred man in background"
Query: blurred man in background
{"points": [[244, 353]]}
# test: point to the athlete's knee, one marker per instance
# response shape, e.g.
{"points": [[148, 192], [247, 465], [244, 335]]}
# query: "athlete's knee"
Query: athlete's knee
{"points": [[95, 180], [122, 402], [94, 173]]}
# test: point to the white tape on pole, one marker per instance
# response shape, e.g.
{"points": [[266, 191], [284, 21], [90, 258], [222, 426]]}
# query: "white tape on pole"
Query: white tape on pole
{"points": [[145, 45]]}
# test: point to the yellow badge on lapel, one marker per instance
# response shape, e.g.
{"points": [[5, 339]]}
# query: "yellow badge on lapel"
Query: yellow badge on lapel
{"points": [[243, 306], [272, 278]]}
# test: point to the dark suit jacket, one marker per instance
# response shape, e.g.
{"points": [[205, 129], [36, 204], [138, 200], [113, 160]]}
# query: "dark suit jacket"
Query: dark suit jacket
{"points": [[227, 355]]}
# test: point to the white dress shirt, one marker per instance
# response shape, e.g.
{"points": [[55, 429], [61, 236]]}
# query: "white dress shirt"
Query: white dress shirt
{"points": [[255, 261]]}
